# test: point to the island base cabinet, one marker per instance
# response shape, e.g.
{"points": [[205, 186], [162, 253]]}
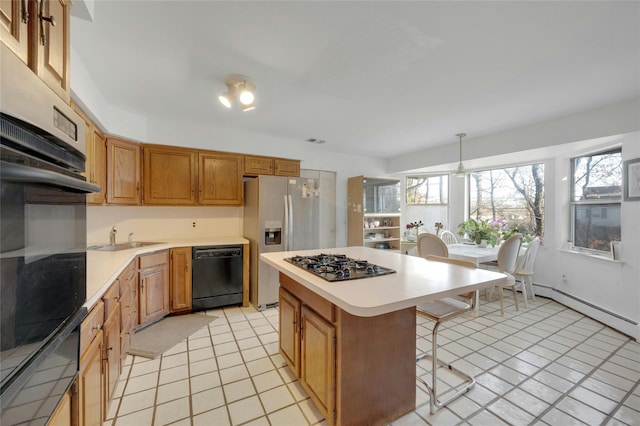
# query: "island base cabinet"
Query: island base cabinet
{"points": [[357, 370], [318, 361]]}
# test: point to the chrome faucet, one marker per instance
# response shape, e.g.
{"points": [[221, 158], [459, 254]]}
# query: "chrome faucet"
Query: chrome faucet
{"points": [[130, 238], [112, 236]]}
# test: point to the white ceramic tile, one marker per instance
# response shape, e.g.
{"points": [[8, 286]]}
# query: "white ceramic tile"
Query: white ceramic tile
{"points": [[201, 354], [172, 411], [173, 374], [268, 380], [565, 372], [580, 411], [252, 354], [233, 374], [604, 389], [207, 400], [540, 390], [229, 360], [204, 381], [276, 398], [225, 348], [143, 366], [509, 412], [238, 390], [628, 415], [244, 410], [250, 342], [557, 417], [142, 417], [171, 391], [526, 401], [142, 382], [137, 401], [201, 367]]}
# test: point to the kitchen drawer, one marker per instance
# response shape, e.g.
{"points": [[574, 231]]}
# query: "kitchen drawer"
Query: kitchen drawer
{"points": [[111, 299], [320, 305], [91, 326], [153, 259], [127, 276]]}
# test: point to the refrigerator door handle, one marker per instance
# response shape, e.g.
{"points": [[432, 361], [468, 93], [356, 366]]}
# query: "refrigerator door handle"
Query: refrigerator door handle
{"points": [[286, 224], [290, 224]]}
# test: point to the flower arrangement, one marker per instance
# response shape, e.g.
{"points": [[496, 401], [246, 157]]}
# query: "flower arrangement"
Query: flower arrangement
{"points": [[480, 230], [415, 225], [439, 227]]}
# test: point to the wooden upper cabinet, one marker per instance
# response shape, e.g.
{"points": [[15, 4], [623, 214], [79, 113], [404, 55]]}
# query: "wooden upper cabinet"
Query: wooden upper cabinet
{"points": [[44, 47], [220, 179], [50, 58], [123, 172], [286, 167], [254, 166], [169, 175], [14, 28], [96, 164]]}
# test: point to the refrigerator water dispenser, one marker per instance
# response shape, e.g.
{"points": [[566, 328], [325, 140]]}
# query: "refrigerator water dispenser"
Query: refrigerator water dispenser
{"points": [[272, 236]]}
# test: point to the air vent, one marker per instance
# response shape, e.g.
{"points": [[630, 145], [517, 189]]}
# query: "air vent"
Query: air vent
{"points": [[314, 140]]}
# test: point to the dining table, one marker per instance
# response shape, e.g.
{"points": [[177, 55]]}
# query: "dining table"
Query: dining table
{"points": [[473, 253]]}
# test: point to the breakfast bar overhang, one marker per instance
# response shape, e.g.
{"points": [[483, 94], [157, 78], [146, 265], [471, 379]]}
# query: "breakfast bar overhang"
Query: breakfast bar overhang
{"points": [[352, 343]]}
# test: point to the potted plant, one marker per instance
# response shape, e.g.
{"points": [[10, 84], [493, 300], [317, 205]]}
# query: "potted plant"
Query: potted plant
{"points": [[481, 232]]}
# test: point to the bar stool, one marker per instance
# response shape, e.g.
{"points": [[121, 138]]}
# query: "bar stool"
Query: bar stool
{"points": [[439, 311]]}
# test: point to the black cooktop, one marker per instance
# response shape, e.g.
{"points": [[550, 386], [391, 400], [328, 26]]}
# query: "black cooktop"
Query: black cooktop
{"points": [[338, 267]]}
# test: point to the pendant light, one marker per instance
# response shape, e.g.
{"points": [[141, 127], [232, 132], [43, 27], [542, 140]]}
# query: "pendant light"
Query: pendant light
{"points": [[460, 171]]}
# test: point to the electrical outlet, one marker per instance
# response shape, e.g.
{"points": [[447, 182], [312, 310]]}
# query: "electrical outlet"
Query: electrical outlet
{"points": [[564, 277], [193, 225]]}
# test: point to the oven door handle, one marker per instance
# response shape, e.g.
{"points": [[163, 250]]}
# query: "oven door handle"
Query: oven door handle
{"points": [[19, 173]]}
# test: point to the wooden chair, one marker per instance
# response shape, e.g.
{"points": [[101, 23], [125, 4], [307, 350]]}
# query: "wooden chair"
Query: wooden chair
{"points": [[507, 256], [439, 311], [431, 244], [448, 237], [524, 269]]}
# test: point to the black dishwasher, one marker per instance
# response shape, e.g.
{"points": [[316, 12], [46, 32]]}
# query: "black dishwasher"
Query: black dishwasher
{"points": [[217, 276]]}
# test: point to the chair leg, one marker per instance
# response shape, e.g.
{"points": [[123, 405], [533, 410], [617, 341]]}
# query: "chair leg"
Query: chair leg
{"points": [[433, 400], [530, 282], [524, 292], [515, 296], [500, 291]]}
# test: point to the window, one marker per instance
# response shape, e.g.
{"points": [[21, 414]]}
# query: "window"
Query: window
{"points": [[512, 197], [596, 194], [427, 199], [425, 190]]}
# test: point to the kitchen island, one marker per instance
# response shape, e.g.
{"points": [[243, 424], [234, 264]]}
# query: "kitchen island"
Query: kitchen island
{"points": [[352, 343]]}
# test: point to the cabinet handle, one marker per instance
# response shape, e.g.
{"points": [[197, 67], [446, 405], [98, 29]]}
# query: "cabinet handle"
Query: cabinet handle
{"points": [[142, 286], [49, 19]]}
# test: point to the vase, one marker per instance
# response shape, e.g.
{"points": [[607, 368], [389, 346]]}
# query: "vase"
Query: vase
{"points": [[482, 243], [412, 235]]}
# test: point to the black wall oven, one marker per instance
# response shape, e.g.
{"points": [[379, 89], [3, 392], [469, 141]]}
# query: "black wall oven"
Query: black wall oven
{"points": [[43, 276]]}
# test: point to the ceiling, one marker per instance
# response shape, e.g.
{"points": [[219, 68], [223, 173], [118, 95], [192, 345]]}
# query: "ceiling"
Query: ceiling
{"points": [[388, 78]]}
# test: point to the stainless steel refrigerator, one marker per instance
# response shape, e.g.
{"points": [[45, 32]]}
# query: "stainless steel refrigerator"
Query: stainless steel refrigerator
{"points": [[286, 214]]}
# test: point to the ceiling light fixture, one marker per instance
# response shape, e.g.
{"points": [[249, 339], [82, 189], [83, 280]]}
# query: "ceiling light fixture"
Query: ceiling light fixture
{"points": [[241, 87], [460, 171]]}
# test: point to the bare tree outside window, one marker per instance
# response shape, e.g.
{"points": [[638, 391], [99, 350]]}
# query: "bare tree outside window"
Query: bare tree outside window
{"points": [[596, 197], [511, 197]]}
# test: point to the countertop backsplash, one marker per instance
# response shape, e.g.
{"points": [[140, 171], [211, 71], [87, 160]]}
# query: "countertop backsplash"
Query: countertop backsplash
{"points": [[151, 223]]}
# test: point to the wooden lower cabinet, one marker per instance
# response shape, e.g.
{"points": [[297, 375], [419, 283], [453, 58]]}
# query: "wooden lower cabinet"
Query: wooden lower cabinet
{"points": [[65, 412], [91, 391], [153, 292], [307, 342], [357, 370], [180, 286], [112, 367]]}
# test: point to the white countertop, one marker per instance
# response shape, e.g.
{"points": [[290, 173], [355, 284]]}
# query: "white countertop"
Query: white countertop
{"points": [[416, 280], [103, 267]]}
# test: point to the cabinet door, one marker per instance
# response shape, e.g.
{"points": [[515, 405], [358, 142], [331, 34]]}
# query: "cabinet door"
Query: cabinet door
{"points": [[90, 393], [220, 179], [62, 415], [254, 166], [289, 307], [286, 167], [112, 354], [97, 164], [51, 58], [181, 299], [317, 366], [14, 27], [169, 176], [123, 172], [154, 291]]}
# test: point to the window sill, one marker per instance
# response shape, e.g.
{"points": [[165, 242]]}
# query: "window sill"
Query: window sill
{"points": [[590, 255]]}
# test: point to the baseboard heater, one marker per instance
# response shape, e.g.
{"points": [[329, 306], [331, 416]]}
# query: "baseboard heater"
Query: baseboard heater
{"points": [[589, 304]]}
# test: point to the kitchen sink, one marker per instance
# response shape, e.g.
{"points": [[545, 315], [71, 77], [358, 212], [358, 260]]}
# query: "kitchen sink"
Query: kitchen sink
{"points": [[123, 246]]}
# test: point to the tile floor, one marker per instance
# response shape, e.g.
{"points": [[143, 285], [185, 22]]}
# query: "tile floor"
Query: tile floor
{"points": [[545, 365]]}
